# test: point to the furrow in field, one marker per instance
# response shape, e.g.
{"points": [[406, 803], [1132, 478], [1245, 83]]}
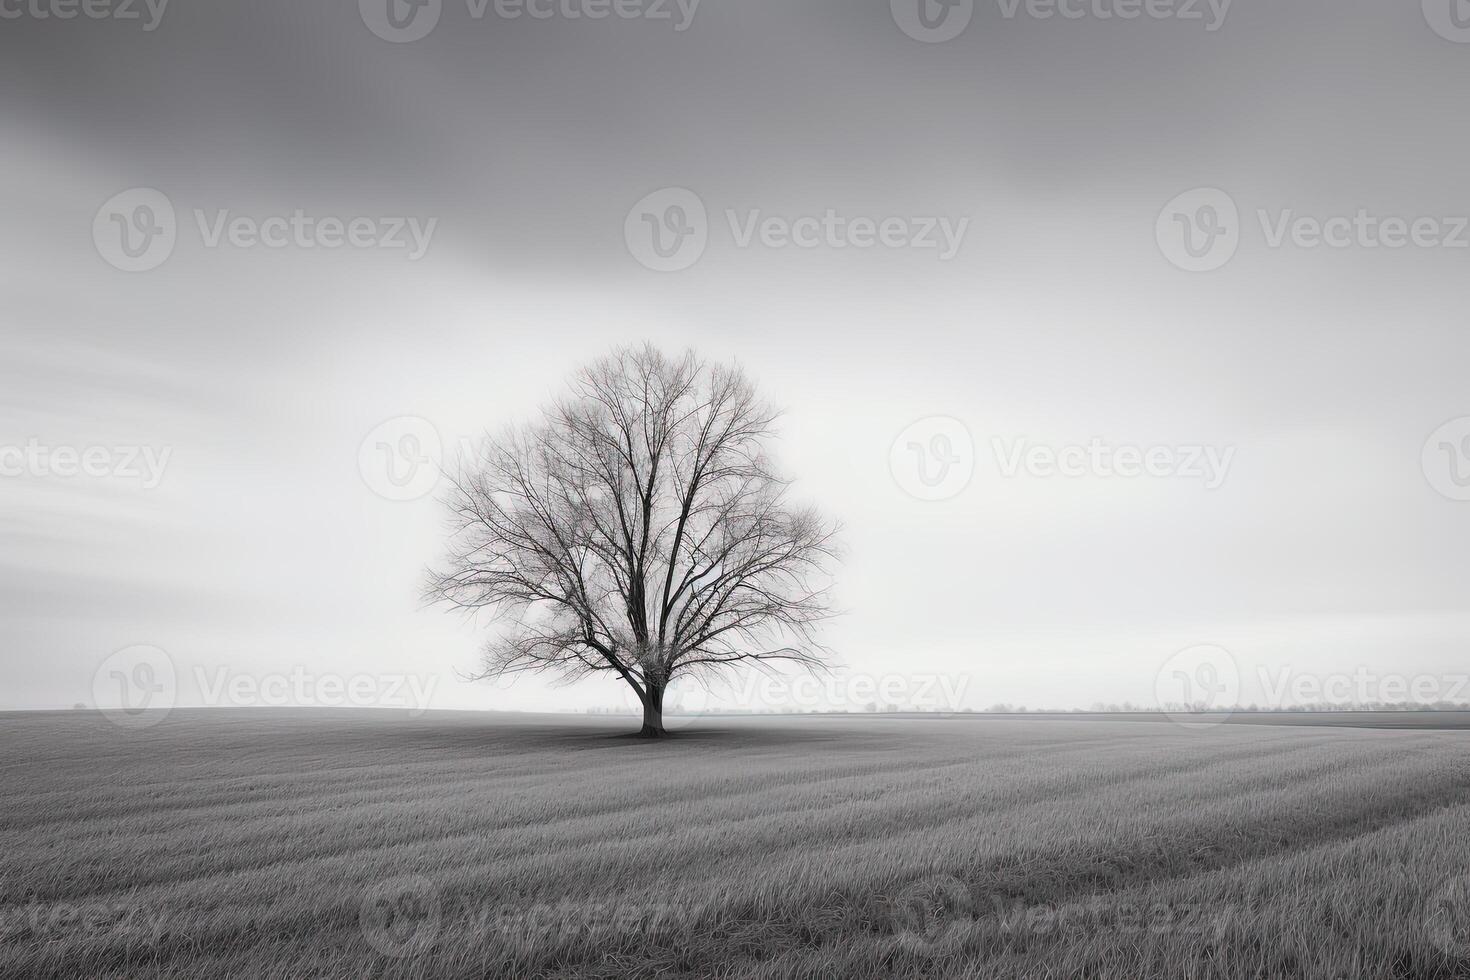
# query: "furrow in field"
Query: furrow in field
{"points": [[513, 877], [521, 837]]}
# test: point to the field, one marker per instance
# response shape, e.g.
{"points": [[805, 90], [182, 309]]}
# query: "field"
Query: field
{"points": [[361, 844]]}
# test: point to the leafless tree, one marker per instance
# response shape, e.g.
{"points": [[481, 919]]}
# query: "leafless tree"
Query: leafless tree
{"points": [[638, 527]]}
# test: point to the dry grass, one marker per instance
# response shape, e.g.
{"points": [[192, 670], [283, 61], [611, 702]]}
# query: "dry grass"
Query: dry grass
{"points": [[341, 844]]}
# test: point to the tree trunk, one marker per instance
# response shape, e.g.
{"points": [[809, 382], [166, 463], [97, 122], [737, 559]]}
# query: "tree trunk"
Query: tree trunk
{"points": [[653, 713]]}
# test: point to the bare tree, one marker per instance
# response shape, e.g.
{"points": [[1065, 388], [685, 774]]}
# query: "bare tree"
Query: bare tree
{"points": [[638, 527]]}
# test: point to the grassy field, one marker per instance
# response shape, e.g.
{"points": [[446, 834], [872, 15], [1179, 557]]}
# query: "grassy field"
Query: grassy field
{"points": [[358, 844]]}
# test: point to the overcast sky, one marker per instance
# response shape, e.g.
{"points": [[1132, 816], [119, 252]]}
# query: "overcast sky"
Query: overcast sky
{"points": [[1059, 311]]}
